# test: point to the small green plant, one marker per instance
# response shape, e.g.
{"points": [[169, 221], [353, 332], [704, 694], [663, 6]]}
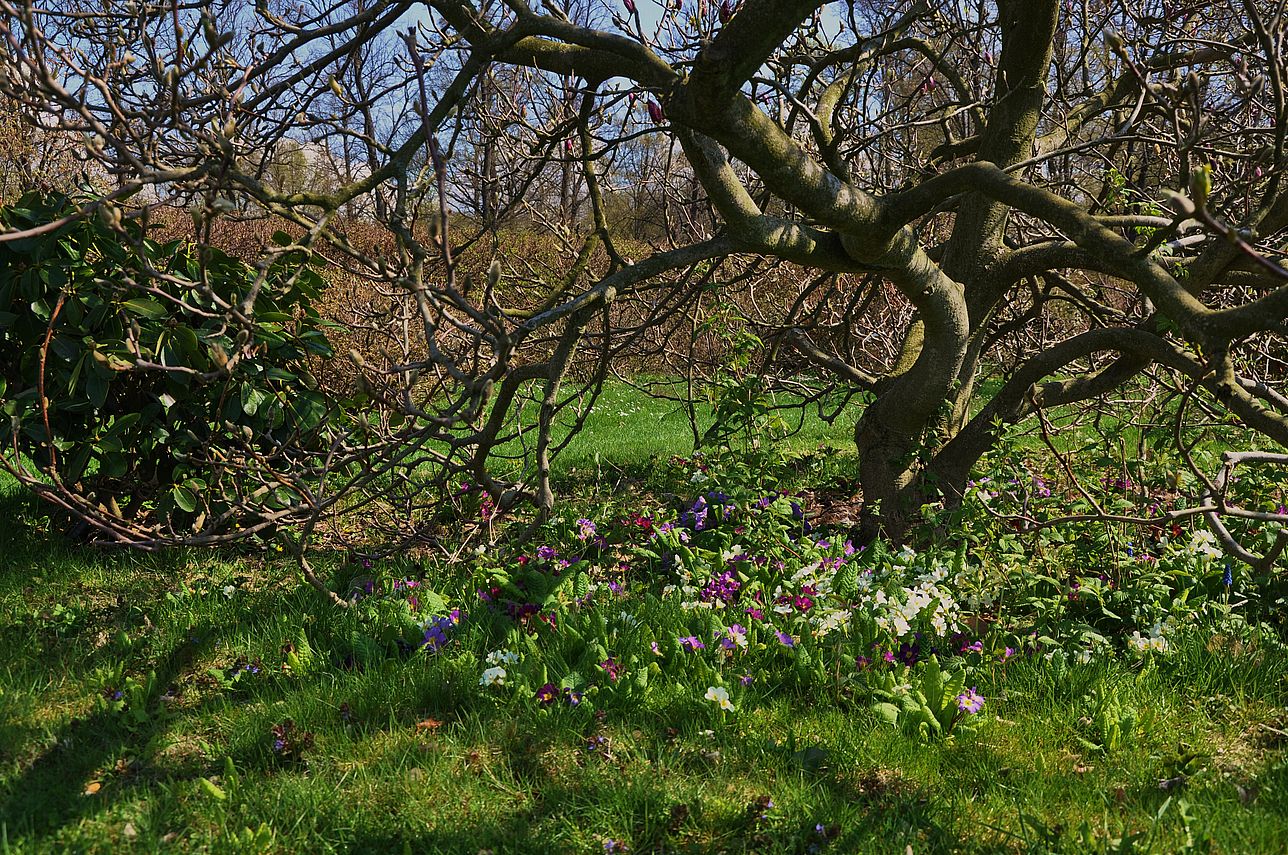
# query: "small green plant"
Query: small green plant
{"points": [[1110, 723], [926, 702], [252, 841], [135, 700], [299, 658]]}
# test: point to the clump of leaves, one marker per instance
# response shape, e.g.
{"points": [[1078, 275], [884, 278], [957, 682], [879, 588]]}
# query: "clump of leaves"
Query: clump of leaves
{"points": [[925, 701], [1110, 722], [168, 407]]}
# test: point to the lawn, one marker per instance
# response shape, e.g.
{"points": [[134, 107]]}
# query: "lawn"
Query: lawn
{"points": [[627, 430], [202, 701]]}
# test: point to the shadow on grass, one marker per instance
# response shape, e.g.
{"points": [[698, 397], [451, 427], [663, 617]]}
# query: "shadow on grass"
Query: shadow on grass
{"points": [[885, 822], [50, 792]]}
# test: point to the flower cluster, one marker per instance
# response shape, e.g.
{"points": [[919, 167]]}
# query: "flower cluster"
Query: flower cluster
{"points": [[925, 603], [1153, 642], [1203, 544], [720, 697], [494, 676], [436, 630]]}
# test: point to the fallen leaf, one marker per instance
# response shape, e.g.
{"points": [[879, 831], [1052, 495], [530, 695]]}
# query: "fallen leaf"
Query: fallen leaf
{"points": [[429, 725], [93, 787]]}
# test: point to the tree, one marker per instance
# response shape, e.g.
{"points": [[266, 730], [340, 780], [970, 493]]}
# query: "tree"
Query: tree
{"points": [[1093, 189]]}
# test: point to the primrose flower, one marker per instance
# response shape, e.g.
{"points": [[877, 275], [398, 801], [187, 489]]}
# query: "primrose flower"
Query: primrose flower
{"points": [[657, 651], [784, 639], [494, 676], [1007, 654], [691, 643], [502, 657], [435, 637], [585, 529], [1204, 543], [720, 697], [1152, 643], [739, 633], [745, 679], [545, 553], [612, 668], [734, 636], [547, 694], [970, 701]]}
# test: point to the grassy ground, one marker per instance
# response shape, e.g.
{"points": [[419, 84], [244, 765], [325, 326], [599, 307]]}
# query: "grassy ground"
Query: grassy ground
{"points": [[406, 754], [626, 429]]}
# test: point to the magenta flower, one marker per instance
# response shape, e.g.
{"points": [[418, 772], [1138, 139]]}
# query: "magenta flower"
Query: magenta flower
{"points": [[970, 701]]}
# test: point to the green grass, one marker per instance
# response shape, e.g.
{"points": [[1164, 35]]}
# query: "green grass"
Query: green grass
{"points": [[410, 756], [628, 430]]}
